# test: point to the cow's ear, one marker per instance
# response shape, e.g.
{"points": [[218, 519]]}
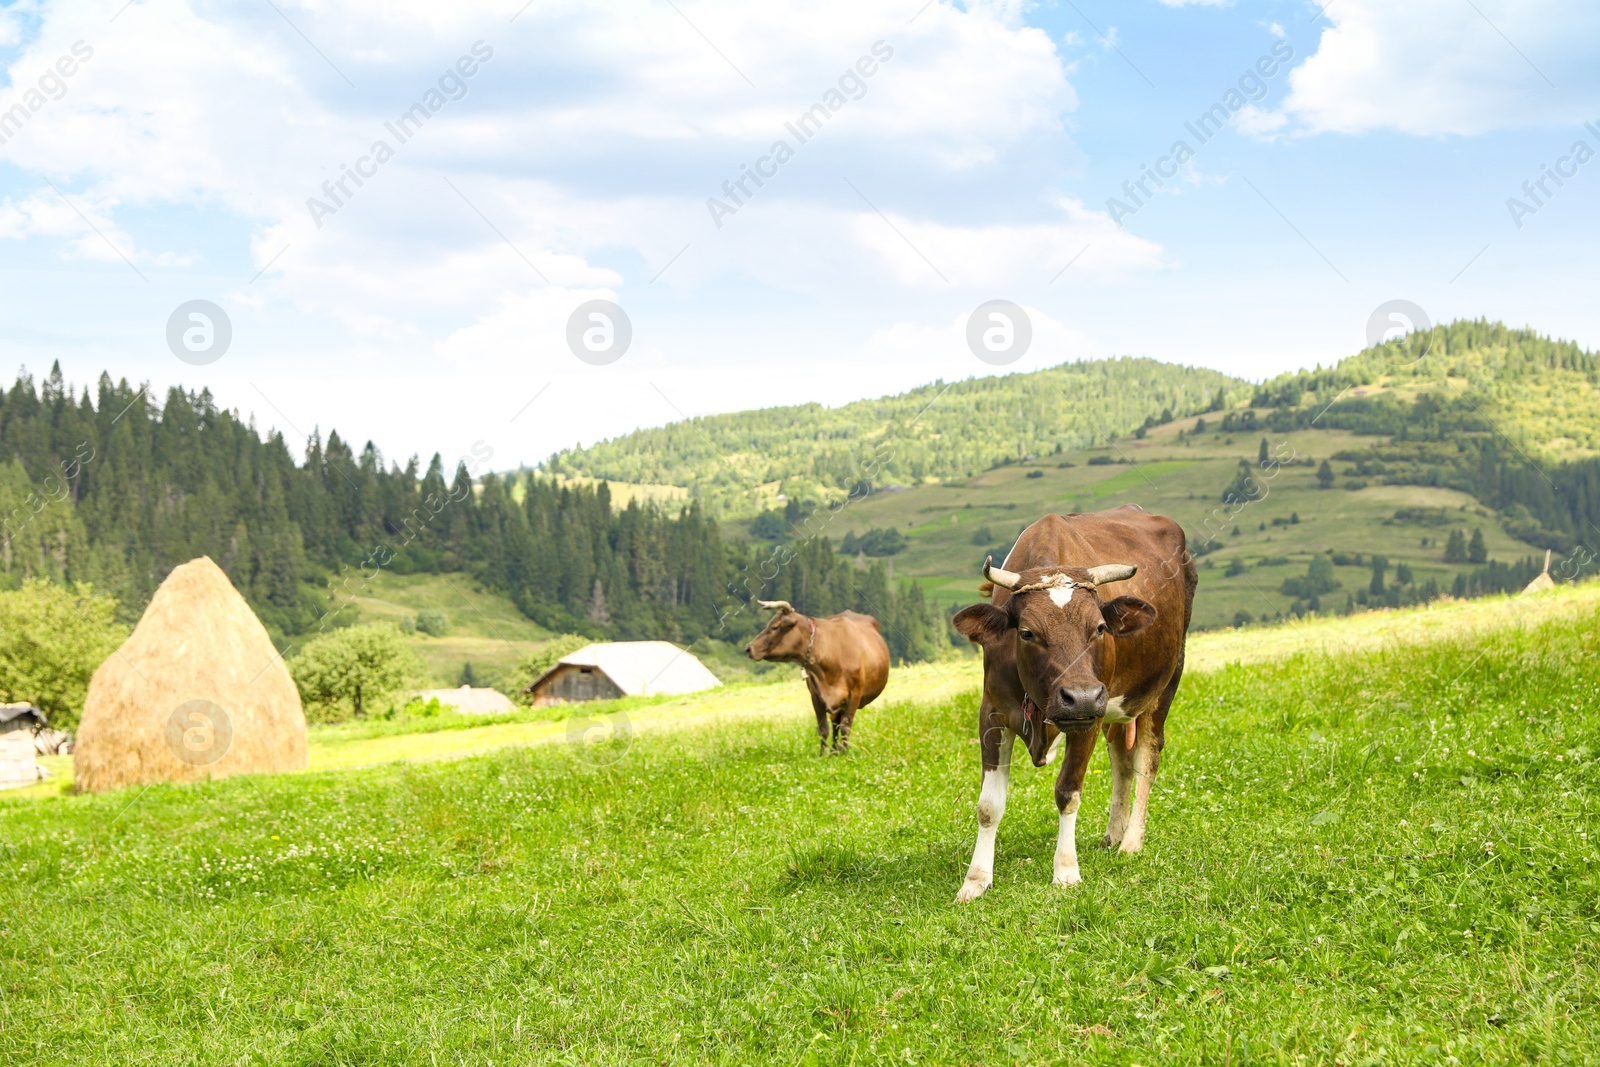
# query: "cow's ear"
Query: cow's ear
{"points": [[1127, 615], [982, 623]]}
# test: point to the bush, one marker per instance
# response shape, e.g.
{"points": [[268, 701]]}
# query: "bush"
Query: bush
{"points": [[875, 542], [1318, 579], [433, 621], [356, 670], [408, 625], [52, 639], [769, 526]]}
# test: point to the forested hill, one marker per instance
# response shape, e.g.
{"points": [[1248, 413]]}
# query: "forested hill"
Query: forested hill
{"points": [[116, 490], [938, 432], [1510, 416]]}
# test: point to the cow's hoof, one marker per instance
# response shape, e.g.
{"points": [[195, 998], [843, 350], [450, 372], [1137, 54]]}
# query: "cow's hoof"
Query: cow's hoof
{"points": [[973, 888], [1107, 842], [1130, 847], [1067, 877]]}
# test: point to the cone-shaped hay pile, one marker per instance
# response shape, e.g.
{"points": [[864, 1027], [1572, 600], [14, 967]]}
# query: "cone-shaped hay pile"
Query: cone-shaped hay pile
{"points": [[197, 691]]}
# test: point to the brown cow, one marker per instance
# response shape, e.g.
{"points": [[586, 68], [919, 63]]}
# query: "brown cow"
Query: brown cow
{"points": [[1058, 661], [844, 658]]}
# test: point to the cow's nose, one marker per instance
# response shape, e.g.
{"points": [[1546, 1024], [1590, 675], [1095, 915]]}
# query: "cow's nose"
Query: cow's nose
{"points": [[1083, 703], [750, 650]]}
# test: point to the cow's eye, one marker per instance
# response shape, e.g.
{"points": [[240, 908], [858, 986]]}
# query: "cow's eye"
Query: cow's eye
{"points": [[1100, 631], [1026, 635]]}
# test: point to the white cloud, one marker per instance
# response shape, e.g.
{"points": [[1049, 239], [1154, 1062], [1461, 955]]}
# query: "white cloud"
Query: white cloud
{"points": [[1443, 67], [994, 256]]}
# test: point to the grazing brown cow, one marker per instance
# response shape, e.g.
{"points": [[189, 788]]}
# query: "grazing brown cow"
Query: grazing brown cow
{"points": [[845, 661], [1059, 660]]}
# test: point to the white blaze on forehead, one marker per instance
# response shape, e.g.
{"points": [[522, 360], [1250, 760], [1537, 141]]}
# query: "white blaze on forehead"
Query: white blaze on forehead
{"points": [[1061, 595]]}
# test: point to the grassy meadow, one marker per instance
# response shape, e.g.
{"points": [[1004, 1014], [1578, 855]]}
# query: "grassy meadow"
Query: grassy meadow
{"points": [[1361, 851]]}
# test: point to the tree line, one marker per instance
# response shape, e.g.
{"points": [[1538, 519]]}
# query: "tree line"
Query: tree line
{"points": [[115, 489]]}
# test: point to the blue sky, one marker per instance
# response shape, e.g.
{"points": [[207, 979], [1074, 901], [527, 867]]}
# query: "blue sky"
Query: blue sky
{"points": [[429, 311]]}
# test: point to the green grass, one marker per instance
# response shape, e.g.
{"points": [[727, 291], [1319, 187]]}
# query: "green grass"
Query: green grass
{"points": [[1379, 858]]}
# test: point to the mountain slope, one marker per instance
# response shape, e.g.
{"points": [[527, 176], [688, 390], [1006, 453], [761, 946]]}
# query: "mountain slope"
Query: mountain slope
{"points": [[937, 432]]}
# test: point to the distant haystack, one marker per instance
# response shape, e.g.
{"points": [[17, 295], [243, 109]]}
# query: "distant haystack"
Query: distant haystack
{"points": [[613, 669], [197, 691], [1543, 581], [471, 701]]}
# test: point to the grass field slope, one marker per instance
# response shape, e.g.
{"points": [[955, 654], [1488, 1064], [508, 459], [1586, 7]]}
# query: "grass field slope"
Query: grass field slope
{"points": [[1362, 850]]}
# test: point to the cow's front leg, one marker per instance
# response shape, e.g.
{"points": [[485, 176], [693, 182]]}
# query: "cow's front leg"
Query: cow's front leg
{"points": [[822, 724], [847, 719], [997, 741], [1076, 749]]}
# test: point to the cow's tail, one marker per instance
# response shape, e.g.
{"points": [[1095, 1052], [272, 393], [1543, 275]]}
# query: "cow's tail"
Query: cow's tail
{"points": [[986, 590]]}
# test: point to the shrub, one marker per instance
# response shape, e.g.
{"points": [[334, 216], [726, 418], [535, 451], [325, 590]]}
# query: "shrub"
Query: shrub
{"points": [[52, 639], [353, 671], [433, 621]]}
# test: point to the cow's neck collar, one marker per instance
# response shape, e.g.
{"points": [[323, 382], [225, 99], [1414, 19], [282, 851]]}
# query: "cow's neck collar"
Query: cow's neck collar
{"points": [[1030, 711], [805, 657]]}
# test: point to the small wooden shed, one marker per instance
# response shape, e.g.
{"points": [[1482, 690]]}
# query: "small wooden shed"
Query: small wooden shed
{"points": [[612, 669], [18, 763]]}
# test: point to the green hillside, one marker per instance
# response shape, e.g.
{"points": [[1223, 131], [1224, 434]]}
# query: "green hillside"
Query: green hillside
{"points": [[937, 432], [481, 627], [949, 529], [1470, 430]]}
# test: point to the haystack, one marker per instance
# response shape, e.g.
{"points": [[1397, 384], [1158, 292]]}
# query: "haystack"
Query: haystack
{"points": [[197, 691], [1542, 581]]}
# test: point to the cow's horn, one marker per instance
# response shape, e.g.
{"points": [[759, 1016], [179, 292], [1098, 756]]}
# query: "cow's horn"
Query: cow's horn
{"points": [[776, 605], [999, 575], [1111, 572]]}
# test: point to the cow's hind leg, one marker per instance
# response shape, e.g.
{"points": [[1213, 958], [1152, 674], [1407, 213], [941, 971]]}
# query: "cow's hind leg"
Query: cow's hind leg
{"points": [[1069, 793], [997, 742], [1146, 761], [1122, 776]]}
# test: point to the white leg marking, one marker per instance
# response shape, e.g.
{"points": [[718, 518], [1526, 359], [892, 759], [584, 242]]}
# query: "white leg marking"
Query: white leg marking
{"points": [[991, 809], [1145, 761], [1067, 844]]}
